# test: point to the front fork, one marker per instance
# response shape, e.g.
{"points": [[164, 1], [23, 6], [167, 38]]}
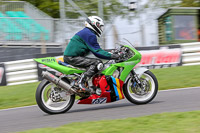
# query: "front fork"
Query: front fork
{"points": [[136, 78]]}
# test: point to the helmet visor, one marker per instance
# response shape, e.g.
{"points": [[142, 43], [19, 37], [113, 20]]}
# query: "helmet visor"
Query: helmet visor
{"points": [[101, 27]]}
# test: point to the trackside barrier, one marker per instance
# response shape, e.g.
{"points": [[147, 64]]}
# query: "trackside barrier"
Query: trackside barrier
{"points": [[21, 71], [191, 53], [25, 71], [160, 56]]}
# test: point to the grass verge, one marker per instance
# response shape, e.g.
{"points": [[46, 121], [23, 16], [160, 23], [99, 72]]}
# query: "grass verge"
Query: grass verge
{"points": [[183, 122], [178, 77], [17, 95], [168, 78]]}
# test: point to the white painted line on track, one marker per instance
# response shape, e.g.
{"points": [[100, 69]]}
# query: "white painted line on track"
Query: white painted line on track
{"points": [[180, 89], [18, 108], [158, 91]]}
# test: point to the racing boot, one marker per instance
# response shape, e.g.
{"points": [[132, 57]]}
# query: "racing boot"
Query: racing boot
{"points": [[82, 82], [85, 77]]}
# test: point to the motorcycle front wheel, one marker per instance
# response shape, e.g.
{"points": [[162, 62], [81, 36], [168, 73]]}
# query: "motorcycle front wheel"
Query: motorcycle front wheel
{"points": [[53, 100], [141, 95]]}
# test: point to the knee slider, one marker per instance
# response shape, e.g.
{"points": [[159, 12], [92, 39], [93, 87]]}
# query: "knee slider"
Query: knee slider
{"points": [[99, 65]]}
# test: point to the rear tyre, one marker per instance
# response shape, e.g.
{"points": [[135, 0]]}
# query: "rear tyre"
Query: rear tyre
{"points": [[137, 95], [53, 100]]}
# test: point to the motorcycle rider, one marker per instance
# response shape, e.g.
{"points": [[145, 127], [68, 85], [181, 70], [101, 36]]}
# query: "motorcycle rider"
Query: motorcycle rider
{"points": [[81, 44]]}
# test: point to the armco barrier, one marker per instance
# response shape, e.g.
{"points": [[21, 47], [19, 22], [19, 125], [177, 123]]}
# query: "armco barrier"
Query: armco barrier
{"points": [[191, 53], [25, 71], [21, 71]]}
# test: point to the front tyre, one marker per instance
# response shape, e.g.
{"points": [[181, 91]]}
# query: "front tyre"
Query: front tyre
{"points": [[141, 95], [53, 100]]}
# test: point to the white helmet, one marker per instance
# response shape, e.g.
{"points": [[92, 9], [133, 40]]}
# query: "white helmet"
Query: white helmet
{"points": [[96, 24]]}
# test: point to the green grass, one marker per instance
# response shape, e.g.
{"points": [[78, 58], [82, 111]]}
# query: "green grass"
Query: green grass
{"points": [[17, 95], [168, 78], [185, 122], [178, 77]]}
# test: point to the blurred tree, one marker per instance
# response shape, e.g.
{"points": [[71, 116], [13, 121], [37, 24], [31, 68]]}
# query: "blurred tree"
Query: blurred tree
{"points": [[90, 7], [51, 7], [190, 3], [172, 3]]}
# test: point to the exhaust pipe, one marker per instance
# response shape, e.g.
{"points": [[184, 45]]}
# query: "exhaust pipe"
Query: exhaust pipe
{"points": [[59, 82]]}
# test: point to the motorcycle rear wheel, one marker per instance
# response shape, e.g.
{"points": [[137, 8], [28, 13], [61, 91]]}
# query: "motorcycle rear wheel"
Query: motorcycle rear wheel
{"points": [[53, 100], [135, 94]]}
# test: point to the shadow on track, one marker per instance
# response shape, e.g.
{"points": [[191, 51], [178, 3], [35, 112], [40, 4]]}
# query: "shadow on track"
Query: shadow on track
{"points": [[103, 107], [111, 106]]}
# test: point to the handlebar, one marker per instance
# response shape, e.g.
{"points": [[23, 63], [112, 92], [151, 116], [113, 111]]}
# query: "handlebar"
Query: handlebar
{"points": [[123, 53]]}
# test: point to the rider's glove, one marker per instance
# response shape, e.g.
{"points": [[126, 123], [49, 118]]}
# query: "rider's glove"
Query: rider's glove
{"points": [[115, 56]]}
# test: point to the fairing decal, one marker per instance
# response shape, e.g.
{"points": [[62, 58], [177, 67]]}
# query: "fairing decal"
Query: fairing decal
{"points": [[111, 91], [115, 88]]}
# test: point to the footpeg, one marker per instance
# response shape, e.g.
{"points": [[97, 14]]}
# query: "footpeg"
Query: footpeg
{"points": [[98, 91]]}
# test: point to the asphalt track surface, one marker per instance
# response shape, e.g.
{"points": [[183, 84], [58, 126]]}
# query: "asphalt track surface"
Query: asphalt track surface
{"points": [[25, 118]]}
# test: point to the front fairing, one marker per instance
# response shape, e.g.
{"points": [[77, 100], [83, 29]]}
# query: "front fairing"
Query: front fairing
{"points": [[127, 65], [52, 63]]}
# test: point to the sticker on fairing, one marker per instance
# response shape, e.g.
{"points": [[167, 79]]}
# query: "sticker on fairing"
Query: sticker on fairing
{"points": [[48, 60], [99, 100]]}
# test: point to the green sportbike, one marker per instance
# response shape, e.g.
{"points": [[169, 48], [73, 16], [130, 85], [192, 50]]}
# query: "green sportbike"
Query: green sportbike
{"points": [[117, 80]]}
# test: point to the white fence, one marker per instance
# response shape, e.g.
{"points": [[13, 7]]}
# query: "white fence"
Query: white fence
{"points": [[25, 71]]}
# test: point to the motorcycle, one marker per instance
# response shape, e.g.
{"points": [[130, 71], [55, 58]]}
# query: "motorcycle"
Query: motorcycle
{"points": [[118, 79]]}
